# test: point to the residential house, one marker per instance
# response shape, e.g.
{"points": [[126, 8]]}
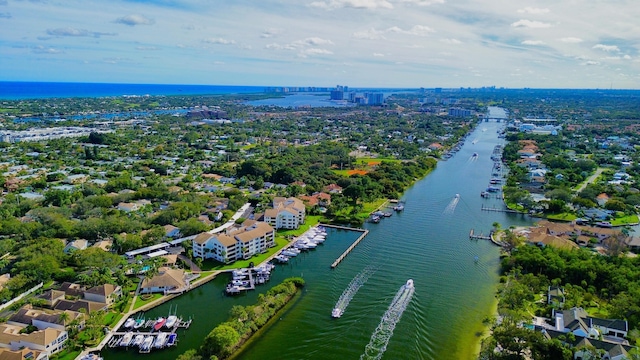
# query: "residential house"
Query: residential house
{"points": [[76, 245], [49, 340], [333, 189], [171, 231], [23, 354], [287, 213], [607, 350], [44, 319], [578, 322], [51, 297], [435, 146], [76, 179], [104, 245], [602, 199], [128, 207], [555, 294], [107, 293], [167, 281]]}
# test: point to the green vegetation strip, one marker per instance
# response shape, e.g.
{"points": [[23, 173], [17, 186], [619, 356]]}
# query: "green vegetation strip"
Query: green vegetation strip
{"points": [[245, 321]]}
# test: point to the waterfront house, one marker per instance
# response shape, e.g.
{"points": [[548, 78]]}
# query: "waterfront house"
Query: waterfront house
{"points": [[577, 321], [167, 281], [49, 340], [23, 354], [287, 213], [107, 293], [44, 319]]}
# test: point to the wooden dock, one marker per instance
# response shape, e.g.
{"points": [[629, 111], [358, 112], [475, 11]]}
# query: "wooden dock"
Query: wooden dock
{"points": [[486, 208], [474, 236], [355, 243]]}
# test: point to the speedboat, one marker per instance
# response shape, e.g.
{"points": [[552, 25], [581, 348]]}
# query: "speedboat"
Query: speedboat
{"points": [[171, 320], [160, 340], [409, 284], [139, 323], [159, 323], [126, 339], [336, 313], [475, 154], [146, 343], [129, 323], [172, 339], [137, 340]]}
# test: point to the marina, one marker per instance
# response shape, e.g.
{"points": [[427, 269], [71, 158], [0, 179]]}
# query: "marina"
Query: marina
{"points": [[422, 243], [350, 248]]}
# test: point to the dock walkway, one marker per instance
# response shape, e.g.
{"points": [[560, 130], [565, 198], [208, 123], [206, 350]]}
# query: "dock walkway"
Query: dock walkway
{"points": [[355, 243]]}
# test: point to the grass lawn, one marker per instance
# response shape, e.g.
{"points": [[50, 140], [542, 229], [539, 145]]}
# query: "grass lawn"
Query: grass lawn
{"points": [[622, 219], [111, 318], [368, 208], [344, 173], [562, 216], [140, 301], [66, 354], [373, 161]]}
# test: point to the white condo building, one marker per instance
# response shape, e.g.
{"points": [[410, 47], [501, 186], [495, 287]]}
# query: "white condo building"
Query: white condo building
{"points": [[287, 213]]}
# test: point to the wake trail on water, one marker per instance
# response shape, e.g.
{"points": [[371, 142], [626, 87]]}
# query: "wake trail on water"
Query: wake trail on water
{"points": [[381, 336], [351, 290], [452, 205]]}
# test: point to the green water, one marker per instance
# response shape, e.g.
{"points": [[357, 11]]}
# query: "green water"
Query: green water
{"points": [[453, 292]]}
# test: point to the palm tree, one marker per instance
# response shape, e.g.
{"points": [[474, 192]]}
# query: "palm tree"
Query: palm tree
{"points": [[64, 317]]}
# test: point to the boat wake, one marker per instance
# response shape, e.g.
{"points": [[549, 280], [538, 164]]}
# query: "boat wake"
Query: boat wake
{"points": [[452, 205], [351, 290], [380, 338]]}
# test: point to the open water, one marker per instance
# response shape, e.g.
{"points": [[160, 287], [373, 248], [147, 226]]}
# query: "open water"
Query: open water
{"points": [[453, 293]]}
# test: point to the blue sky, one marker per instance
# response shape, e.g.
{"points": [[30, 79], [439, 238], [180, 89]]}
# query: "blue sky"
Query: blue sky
{"points": [[377, 43]]}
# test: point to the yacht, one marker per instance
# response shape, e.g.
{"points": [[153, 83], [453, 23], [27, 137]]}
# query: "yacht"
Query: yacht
{"points": [[171, 321], [126, 339], [160, 340], [159, 323], [129, 323], [146, 343], [139, 323], [137, 340]]}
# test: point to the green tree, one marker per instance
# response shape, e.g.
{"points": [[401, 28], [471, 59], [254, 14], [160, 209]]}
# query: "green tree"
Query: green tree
{"points": [[220, 341]]}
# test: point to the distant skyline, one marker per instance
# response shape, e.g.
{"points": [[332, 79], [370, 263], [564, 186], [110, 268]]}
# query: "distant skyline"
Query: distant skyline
{"points": [[359, 43]]}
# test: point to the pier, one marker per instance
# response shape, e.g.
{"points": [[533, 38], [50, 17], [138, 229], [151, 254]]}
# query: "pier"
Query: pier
{"points": [[474, 236], [355, 243], [486, 208]]}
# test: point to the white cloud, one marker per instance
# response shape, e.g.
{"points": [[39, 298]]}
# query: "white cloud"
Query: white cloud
{"points": [[531, 24], [219, 41], [371, 34], [269, 33], [590, 63], [378, 55], [46, 50], [355, 4], [374, 34], [534, 11], [312, 41], [627, 57], [134, 19], [422, 2], [314, 51], [571, 40], [533, 42], [451, 41], [607, 48], [69, 31]]}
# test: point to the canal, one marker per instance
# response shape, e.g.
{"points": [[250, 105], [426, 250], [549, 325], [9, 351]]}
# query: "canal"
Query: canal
{"points": [[427, 242]]}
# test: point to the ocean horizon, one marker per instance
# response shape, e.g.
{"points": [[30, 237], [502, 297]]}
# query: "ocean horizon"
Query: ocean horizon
{"points": [[17, 90]]}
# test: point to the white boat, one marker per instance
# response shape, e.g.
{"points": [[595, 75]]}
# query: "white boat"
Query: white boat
{"points": [[126, 339], [129, 323], [139, 323], [91, 356], [289, 253], [409, 284], [160, 340], [336, 313], [282, 258], [137, 340], [146, 343], [171, 321]]}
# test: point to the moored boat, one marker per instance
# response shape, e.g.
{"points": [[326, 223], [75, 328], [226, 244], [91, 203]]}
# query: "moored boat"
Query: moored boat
{"points": [[159, 323], [172, 339], [137, 340], [139, 323], [160, 340], [129, 323], [126, 339], [171, 321], [146, 344]]}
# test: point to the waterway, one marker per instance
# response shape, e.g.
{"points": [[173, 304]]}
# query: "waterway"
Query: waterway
{"points": [[427, 242]]}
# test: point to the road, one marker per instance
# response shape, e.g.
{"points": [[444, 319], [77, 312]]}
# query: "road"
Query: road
{"points": [[591, 179]]}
